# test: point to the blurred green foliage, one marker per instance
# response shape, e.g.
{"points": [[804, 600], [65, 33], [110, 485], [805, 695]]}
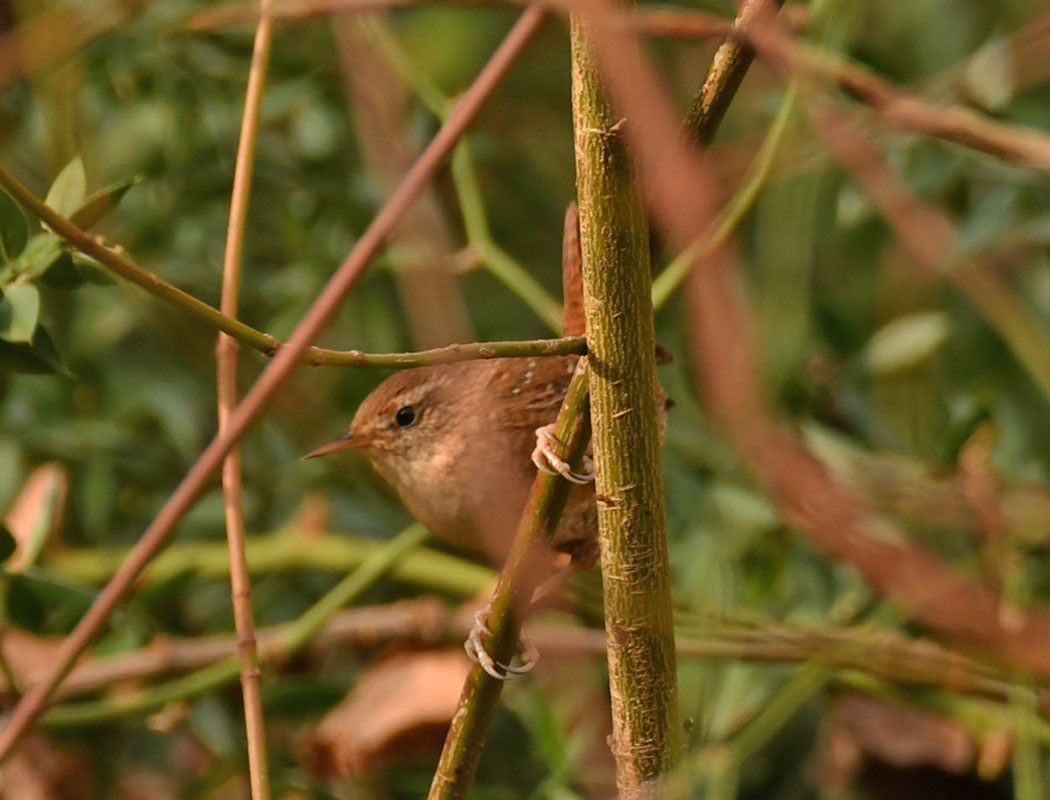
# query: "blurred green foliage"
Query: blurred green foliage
{"points": [[134, 133]]}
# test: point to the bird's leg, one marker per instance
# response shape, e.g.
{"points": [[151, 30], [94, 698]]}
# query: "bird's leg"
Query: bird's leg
{"points": [[476, 650], [582, 556], [545, 457]]}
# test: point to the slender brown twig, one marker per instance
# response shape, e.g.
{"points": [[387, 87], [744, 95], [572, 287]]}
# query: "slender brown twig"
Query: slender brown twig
{"points": [[672, 22], [424, 621], [275, 374], [900, 108], [226, 350], [480, 694]]}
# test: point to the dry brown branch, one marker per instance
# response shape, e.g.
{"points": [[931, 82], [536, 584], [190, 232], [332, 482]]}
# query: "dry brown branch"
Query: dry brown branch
{"points": [[419, 622], [902, 109], [676, 23], [428, 622], [275, 374]]}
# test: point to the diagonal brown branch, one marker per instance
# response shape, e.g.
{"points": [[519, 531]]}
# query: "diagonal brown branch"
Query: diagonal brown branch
{"points": [[902, 109], [276, 373]]}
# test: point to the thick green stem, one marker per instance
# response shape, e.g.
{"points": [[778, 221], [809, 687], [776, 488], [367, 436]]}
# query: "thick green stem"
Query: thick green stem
{"points": [[625, 416]]}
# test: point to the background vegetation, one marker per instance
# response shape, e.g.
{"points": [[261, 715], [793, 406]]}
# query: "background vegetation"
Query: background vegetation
{"points": [[801, 682]]}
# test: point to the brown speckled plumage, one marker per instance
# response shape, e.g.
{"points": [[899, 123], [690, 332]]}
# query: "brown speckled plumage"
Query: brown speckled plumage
{"points": [[463, 467]]}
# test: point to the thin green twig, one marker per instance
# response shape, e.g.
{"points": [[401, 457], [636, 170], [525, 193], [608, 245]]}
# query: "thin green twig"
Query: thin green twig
{"points": [[117, 261], [286, 550], [374, 567]]}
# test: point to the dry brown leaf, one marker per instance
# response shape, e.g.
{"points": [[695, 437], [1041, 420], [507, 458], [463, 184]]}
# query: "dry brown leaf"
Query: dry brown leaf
{"points": [[401, 706], [996, 751], [28, 655], [41, 771], [141, 784], [311, 518], [36, 513], [862, 729]]}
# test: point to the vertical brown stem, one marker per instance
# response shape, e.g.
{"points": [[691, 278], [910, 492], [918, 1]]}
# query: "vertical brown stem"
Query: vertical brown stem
{"points": [[226, 349]]}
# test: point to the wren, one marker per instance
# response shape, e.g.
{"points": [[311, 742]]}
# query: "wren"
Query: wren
{"points": [[461, 442]]}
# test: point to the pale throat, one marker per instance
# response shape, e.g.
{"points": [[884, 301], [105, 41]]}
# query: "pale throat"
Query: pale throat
{"points": [[431, 487]]}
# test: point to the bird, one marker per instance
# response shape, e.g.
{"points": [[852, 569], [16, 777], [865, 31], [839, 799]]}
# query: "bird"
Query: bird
{"points": [[460, 444]]}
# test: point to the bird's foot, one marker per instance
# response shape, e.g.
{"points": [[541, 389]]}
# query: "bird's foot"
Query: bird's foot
{"points": [[477, 653], [546, 458]]}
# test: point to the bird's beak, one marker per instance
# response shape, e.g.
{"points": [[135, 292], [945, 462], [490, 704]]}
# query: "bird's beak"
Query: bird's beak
{"points": [[344, 442]]}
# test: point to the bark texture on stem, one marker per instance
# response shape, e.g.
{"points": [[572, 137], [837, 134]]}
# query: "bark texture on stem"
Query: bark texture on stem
{"points": [[614, 236], [727, 72]]}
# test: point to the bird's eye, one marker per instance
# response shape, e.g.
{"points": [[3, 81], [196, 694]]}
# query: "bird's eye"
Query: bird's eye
{"points": [[405, 416]]}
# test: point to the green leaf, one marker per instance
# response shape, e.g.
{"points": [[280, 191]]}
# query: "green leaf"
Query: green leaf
{"points": [[14, 227], [44, 603], [101, 203], [990, 77], [8, 545], [23, 606], [299, 697], [67, 193], [89, 270], [907, 341], [41, 253], [37, 357], [19, 312], [62, 273]]}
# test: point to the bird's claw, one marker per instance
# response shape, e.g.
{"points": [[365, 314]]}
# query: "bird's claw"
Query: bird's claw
{"points": [[546, 458], [477, 654]]}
